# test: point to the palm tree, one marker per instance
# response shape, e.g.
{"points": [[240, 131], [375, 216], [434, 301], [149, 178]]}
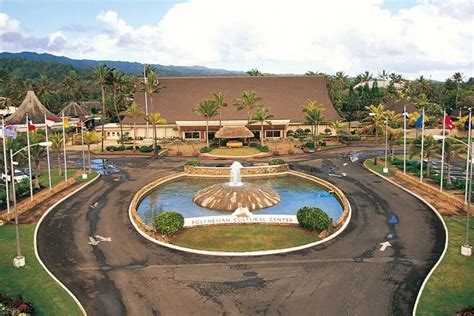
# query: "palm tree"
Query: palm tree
{"points": [[383, 75], [151, 85], [262, 115], [458, 79], [218, 98], [133, 112], [89, 139], [363, 77], [207, 109], [56, 140], [37, 153], [394, 134], [101, 73], [44, 88], [117, 80], [248, 101], [452, 149], [155, 119], [375, 121], [430, 147], [337, 127], [313, 115]]}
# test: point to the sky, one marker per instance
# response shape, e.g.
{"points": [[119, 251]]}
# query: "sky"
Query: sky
{"points": [[434, 38]]}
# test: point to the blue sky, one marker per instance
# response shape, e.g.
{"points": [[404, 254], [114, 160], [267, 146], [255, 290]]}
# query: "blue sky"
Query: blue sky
{"points": [[412, 37]]}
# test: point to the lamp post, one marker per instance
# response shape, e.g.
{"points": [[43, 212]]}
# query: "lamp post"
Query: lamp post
{"points": [[19, 260], [385, 168], [466, 249]]}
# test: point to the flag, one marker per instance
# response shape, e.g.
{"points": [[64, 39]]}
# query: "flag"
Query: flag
{"points": [[10, 131], [448, 122], [49, 122], [31, 126], [405, 114], [419, 122], [66, 122]]}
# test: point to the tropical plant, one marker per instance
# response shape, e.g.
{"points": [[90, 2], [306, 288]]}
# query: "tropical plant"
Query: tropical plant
{"points": [[37, 154], [101, 74], [89, 139], [254, 73], [152, 84], [430, 147], [56, 140], [313, 115], [218, 99], [375, 121], [133, 112], [155, 119], [248, 101], [117, 80], [207, 109], [452, 149], [313, 219], [168, 223], [337, 126], [262, 115], [394, 134]]}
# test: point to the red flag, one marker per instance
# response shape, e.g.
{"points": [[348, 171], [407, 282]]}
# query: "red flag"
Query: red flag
{"points": [[31, 126], [49, 122], [448, 122]]}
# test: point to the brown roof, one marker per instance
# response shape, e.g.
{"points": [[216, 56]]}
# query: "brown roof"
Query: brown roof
{"points": [[234, 132], [283, 95], [397, 106], [32, 107], [72, 109]]}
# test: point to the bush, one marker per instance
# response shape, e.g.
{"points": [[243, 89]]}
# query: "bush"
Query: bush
{"points": [[327, 131], [263, 149], [193, 162], [15, 306], [309, 145], [354, 137], [168, 223], [276, 162], [109, 148], [205, 150], [313, 218], [254, 145], [145, 149], [119, 148]]}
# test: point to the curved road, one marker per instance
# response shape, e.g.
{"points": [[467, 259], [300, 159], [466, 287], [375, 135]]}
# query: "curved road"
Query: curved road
{"points": [[347, 276]]}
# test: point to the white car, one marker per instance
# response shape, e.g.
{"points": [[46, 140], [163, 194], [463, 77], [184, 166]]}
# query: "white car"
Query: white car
{"points": [[19, 176]]}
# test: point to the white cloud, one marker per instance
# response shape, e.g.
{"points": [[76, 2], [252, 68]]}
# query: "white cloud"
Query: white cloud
{"points": [[431, 38]]}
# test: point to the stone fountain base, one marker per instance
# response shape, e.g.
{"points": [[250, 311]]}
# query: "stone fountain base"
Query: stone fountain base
{"points": [[225, 197]]}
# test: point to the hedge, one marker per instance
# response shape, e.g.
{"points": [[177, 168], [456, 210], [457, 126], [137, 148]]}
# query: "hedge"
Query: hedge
{"points": [[168, 223], [193, 162], [351, 137], [205, 150], [313, 219], [276, 162]]}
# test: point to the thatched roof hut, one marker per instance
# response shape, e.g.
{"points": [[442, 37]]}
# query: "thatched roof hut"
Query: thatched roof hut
{"points": [[230, 132], [72, 109], [398, 105], [32, 107]]}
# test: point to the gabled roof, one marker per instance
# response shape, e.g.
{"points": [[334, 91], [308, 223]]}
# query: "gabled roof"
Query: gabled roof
{"points": [[32, 107], [283, 95], [398, 105]]}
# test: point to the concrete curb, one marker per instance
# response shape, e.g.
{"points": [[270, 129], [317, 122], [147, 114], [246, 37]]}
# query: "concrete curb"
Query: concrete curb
{"points": [[232, 254], [442, 221], [36, 247]]}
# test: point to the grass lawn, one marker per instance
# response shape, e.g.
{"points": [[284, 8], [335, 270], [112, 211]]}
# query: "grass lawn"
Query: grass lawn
{"points": [[32, 282], [55, 177], [243, 237], [377, 168], [451, 287], [242, 151]]}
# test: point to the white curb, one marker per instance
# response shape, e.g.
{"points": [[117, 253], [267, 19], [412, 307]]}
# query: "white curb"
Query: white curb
{"points": [[442, 221], [36, 247]]}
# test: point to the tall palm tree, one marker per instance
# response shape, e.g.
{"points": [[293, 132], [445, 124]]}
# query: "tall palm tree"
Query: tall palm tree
{"points": [[383, 75], [452, 149], [101, 73], [394, 134], [56, 140], [155, 119], [430, 147], [134, 112], [458, 79], [89, 139], [218, 98], [363, 77], [117, 80], [37, 154], [375, 121], [152, 85], [44, 88], [248, 101], [207, 109], [313, 115], [262, 115], [337, 127]]}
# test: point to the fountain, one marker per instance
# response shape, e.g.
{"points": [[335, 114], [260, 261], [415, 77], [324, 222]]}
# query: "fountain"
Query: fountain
{"points": [[234, 194]]}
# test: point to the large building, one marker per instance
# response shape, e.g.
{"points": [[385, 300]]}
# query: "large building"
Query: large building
{"points": [[283, 95]]}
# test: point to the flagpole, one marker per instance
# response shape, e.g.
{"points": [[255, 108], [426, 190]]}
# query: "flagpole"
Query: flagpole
{"points": [[29, 155], [146, 99], [442, 151], [82, 141], [405, 139], [5, 164], [47, 151], [468, 156], [64, 150], [422, 142]]}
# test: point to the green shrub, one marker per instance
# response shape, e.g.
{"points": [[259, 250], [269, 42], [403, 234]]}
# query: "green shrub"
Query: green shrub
{"points": [[263, 149], [193, 162], [400, 142], [205, 150], [119, 148], [168, 223], [145, 149], [309, 145], [351, 137], [109, 148], [254, 145], [276, 162], [313, 218]]}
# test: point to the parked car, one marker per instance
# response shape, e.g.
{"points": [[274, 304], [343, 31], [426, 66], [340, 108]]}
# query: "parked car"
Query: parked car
{"points": [[27, 172], [19, 176]]}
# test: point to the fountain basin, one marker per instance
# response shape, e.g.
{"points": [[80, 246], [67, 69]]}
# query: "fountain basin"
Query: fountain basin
{"points": [[228, 197]]}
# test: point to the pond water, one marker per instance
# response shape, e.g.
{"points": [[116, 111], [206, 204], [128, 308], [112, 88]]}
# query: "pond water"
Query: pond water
{"points": [[294, 191]]}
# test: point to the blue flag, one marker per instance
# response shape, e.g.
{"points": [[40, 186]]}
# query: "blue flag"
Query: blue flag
{"points": [[419, 122], [10, 131]]}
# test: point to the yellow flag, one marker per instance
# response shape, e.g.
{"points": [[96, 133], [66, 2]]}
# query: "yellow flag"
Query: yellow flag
{"points": [[66, 122]]}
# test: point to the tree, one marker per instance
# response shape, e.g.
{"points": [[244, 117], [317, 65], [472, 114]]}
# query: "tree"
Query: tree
{"points": [[364, 77], [254, 73], [151, 85], [56, 140], [155, 119], [458, 79], [218, 98], [313, 115], [101, 73], [383, 75], [374, 122], [37, 153], [452, 149], [262, 115], [89, 139], [207, 109], [394, 134], [133, 112], [248, 101], [337, 127], [430, 147], [117, 80]]}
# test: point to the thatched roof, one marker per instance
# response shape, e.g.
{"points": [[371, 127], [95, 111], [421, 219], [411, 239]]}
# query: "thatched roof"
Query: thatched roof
{"points": [[234, 132], [72, 109], [398, 105], [283, 95], [32, 106]]}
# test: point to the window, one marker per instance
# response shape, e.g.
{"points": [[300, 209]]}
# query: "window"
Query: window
{"points": [[192, 135], [272, 134]]}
